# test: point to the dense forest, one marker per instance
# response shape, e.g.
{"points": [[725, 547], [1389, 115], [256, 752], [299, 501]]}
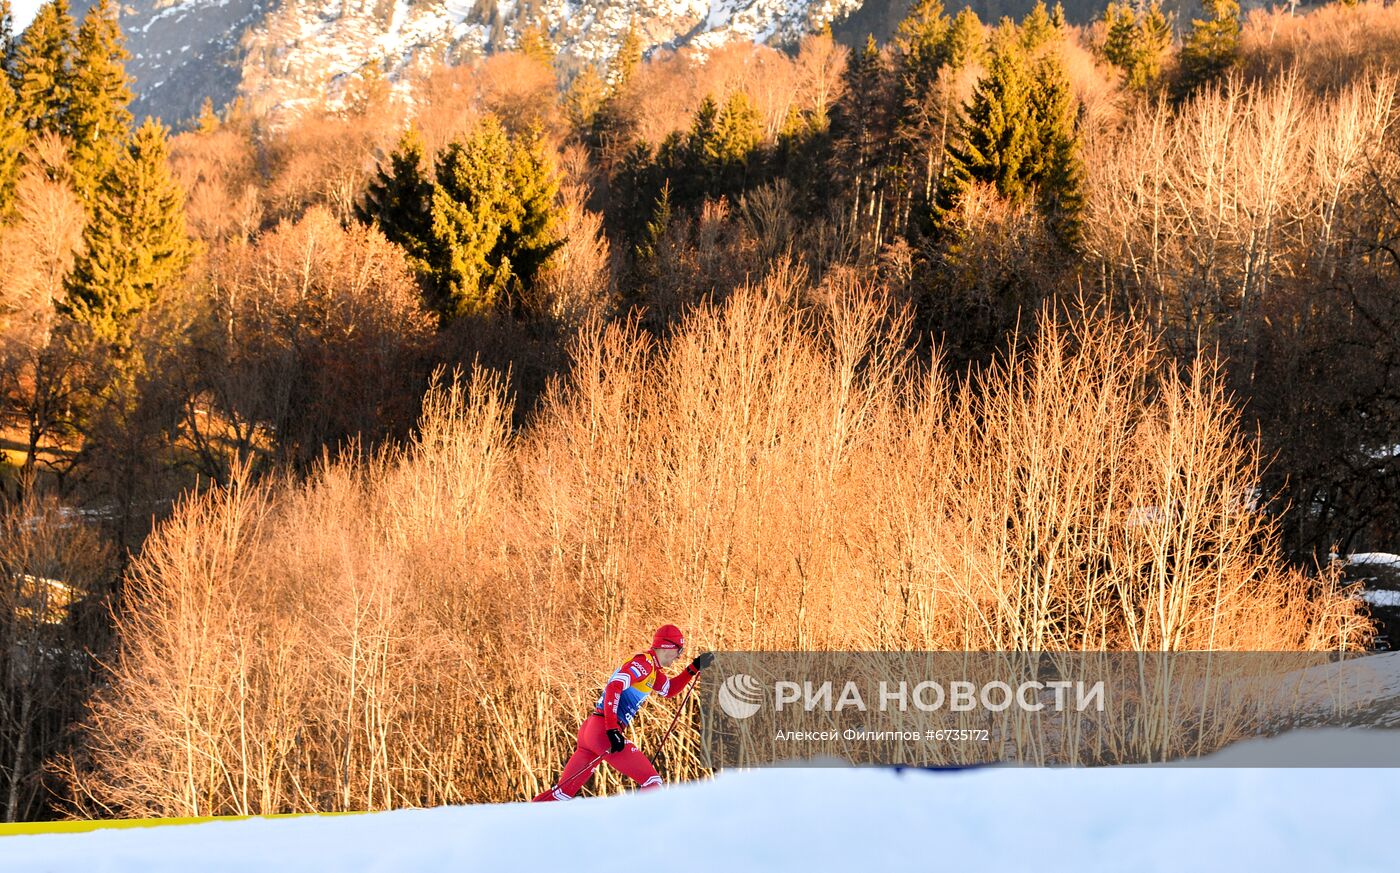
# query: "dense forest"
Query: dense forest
{"points": [[337, 448]]}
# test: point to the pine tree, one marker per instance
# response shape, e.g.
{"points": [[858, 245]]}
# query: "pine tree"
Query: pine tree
{"points": [[44, 67], [801, 156], [208, 120], [13, 137], [583, 100], [1058, 170], [646, 255], [999, 135], [135, 242], [1212, 47], [467, 206], [920, 42], [12, 133], [398, 200], [1021, 137], [862, 127], [1038, 27], [966, 40], [467, 203], [628, 58], [534, 43], [1156, 31], [481, 228], [615, 123], [1120, 35], [98, 116], [719, 154], [740, 129], [729, 155], [527, 229], [1135, 42], [638, 182]]}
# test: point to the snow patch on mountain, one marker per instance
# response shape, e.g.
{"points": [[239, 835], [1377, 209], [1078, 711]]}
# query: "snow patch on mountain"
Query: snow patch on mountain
{"points": [[283, 56]]}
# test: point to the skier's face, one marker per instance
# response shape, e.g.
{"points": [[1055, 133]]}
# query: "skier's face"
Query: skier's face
{"points": [[666, 656]]}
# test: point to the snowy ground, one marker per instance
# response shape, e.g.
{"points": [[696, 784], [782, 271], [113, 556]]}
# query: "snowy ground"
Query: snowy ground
{"points": [[1111, 819], [1379, 572], [1242, 816]]}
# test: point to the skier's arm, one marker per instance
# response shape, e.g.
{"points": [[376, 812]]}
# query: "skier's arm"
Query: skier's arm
{"points": [[619, 683], [670, 687]]}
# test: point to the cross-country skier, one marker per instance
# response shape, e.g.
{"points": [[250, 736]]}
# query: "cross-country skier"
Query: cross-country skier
{"points": [[600, 738]]}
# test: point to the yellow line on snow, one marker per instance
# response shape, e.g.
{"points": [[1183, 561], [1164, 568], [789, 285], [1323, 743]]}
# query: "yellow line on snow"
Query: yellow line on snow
{"points": [[77, 826]]}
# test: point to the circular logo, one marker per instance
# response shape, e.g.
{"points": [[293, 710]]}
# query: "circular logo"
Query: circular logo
{"points": [[741, 696]]}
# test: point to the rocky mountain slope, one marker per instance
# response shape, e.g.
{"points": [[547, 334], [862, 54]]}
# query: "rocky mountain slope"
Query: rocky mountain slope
{"points": [[282, 55]]}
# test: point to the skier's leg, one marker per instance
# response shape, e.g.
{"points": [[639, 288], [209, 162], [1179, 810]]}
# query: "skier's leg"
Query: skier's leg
{"points": [[592, 740], [580, 767], [631, 762]]}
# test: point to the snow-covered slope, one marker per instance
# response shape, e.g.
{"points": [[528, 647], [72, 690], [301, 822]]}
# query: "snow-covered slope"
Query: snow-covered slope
{"points": [[282, 54], [1228, 815], [1140, 819], [183, 51]]}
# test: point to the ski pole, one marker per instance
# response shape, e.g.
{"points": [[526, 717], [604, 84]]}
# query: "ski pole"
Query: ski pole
{"points": [[675, 718]]}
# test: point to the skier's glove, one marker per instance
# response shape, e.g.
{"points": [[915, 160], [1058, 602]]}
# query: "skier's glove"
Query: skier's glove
{"points": [[615, 741], [702, 660]]}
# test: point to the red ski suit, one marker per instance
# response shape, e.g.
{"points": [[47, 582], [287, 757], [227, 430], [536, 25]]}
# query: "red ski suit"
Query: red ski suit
{"points": [[626, 691]]}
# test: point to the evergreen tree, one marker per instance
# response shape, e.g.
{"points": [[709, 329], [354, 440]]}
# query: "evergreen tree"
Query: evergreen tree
{"points": [[723, 148], [13, 137], [637, 184], [1020, 136], [628, 58], [482, 228], [801, 155], [534, 43], [398, 200], [1120, 35], [862, 127], [98, 117], [1038, 27], [467, 203], [966, 40], [1058, 173], [646, 254], [528, 227], [718, 157], [615, 123], [44, 67], [920, 44], [12, 132], [1135, 42], [582, 101], [1212, 47], [1155, 27], [135, 242], [208, 120], [999, 138]]}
